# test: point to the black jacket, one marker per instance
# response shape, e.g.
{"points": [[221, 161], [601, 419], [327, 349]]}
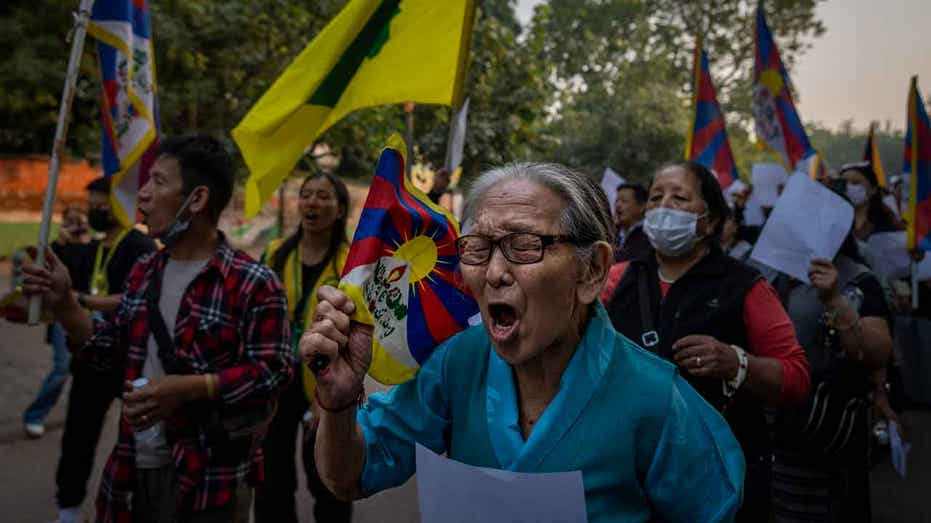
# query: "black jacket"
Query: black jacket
{"points": [[707, 300]]}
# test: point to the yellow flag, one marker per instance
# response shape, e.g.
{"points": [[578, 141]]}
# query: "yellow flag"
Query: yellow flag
{"points": [[374, 52]]}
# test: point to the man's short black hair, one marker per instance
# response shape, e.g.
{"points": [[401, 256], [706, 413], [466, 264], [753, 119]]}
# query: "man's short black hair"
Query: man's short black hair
{"points": [[203, 160], [640, 192], [101, 184]]}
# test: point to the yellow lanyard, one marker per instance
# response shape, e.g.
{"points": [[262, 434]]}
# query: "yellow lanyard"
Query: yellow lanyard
{"points": [[99, 284]]}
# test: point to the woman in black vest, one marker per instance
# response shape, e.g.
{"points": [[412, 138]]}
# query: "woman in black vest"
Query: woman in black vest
{"points": [[714, 317]]}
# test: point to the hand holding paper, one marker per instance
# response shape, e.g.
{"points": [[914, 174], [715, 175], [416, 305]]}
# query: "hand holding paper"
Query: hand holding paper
{"points": [[809, 221]]}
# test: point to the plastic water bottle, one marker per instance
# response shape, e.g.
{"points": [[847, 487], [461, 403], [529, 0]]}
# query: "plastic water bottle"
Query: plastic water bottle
{"points": [[151, 432]]}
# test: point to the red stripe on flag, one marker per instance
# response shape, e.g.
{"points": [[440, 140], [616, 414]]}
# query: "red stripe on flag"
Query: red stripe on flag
{"points": [[439, 322], [364, 252]]}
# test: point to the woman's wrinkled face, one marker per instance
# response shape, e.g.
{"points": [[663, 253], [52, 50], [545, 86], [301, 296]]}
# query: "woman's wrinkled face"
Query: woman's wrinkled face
{"points": [[676, 188], [319, 205], [525, 308]]}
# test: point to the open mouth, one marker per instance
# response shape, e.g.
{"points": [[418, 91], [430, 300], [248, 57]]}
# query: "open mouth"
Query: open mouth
{"points": [[504, 321]]}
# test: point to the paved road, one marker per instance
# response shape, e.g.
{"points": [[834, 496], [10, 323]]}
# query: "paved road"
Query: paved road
{"points": [[28, 466]]}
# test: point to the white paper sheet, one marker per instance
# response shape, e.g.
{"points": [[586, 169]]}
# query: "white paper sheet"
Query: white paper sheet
{"points": [[900, 449], [452, 492], [766, 179], [610, 181], [886, 254], [924, 268], [809, 221], [735, 186]]}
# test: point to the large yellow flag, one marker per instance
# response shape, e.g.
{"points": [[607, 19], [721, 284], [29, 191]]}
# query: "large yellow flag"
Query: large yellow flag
{"points": [[374, 52]]}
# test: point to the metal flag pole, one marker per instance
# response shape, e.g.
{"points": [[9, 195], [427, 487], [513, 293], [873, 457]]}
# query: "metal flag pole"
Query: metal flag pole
{"points": [[61, 132]]}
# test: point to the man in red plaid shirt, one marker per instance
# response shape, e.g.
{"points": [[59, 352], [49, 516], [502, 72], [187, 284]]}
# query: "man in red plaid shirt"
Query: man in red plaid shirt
{"points": [[207, 327]]}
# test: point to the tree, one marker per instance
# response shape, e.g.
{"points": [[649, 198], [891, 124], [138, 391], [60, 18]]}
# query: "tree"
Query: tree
{"points": [[508, 100], [32, 74], [846, 145], [622, 69], [607, 36]]}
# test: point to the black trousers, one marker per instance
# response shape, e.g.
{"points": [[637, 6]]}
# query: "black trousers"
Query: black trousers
{"points": [[88, 401], [274, 500]]}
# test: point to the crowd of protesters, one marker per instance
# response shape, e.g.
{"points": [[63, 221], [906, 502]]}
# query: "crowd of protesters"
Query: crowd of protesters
{"points": [[654, 331]]}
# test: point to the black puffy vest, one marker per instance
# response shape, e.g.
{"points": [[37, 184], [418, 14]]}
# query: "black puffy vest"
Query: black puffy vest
{"points": [[707, 300]]}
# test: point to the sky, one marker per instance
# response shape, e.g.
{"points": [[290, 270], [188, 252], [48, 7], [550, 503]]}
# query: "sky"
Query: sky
{"points": [[860, 67]]}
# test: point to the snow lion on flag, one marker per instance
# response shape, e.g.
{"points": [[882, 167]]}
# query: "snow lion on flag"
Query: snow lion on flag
{"points": [[402, 272]]}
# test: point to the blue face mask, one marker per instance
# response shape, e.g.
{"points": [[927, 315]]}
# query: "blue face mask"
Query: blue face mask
{"points": [[671, 232], [181, 224]]}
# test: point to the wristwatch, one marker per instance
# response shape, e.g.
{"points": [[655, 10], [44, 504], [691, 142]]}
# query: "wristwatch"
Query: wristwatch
{"points": [[731, 386]]}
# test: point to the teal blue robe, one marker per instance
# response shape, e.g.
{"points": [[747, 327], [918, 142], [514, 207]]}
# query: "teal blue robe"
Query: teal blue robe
{"points": [[649, 447]]}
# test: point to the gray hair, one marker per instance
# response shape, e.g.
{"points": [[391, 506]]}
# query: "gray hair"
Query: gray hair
{"points": [[586, 218]]}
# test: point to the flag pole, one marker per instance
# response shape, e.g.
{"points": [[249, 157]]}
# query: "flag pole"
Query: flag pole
{"points": [[409, 137], [61, 132]]}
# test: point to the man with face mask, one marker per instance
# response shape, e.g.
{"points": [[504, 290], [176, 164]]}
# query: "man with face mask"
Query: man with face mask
{"points": [[202, 337], [108, 259], [103, 265]]}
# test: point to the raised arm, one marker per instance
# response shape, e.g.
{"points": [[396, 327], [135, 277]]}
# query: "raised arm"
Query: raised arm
{"points": [[53, 284], [340, 444]]}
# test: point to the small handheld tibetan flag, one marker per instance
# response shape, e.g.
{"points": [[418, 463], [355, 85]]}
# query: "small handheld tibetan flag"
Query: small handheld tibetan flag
{"points": [[403, 272], [707, 141], [918, 168], [778, 125]]}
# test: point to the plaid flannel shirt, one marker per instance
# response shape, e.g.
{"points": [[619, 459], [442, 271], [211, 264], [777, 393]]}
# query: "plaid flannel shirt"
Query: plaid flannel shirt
{"points": [[233, 321]]}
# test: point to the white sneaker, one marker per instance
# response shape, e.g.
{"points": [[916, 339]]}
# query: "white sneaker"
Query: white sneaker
{"points": [[34, 430]]}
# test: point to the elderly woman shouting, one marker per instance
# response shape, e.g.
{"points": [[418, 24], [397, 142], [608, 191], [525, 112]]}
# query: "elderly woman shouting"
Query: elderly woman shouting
{"points": [[714, 317], [544, 385]]}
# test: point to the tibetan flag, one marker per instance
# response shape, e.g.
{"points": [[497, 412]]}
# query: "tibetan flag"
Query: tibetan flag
{"points": [[778, 126], [128, 106], [403, 272], [813, 166], [918, 169], [707, 142], [871, 154], [374, 52]]}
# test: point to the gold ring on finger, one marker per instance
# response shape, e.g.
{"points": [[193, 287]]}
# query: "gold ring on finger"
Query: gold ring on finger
{"points": [[698, 360]]}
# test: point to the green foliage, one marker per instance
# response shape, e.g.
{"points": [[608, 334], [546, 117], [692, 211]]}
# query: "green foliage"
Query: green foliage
{"points": [[622, 69], [591, 83], [508, 101], [33, 36], [846, 145]]}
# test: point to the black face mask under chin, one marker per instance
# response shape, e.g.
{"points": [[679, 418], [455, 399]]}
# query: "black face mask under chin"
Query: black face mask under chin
{"points": [[181, 224]]}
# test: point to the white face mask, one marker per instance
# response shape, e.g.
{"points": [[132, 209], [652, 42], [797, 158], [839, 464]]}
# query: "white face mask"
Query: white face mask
{"points": [[856, 193], [670, 231]]}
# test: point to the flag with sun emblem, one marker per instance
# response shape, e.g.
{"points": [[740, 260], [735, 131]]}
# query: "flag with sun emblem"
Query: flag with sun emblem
{"points": [[403, 272], [778, 125]]}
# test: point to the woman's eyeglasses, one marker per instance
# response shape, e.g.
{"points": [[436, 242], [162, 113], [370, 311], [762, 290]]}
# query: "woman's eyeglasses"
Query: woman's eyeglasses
{"points": [[517, 247]]}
